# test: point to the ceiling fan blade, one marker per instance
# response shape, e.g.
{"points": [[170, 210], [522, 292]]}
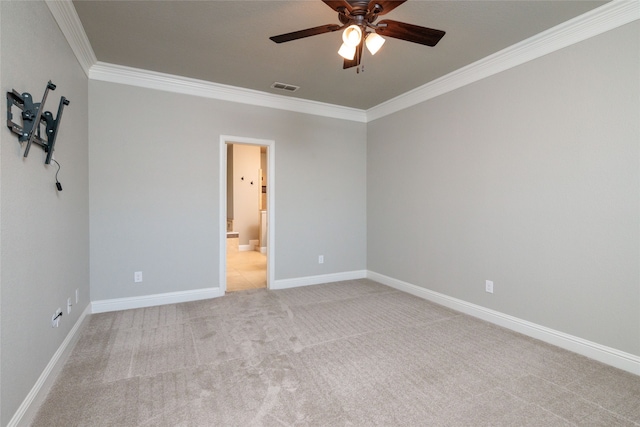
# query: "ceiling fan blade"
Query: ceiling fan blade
{"points": [[387, 5], [338, 4], [409, 32], [348, 63], [305, 33]]}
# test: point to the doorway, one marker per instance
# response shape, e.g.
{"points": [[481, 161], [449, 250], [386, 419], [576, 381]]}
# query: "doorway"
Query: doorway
{"points": [[246, 213]]}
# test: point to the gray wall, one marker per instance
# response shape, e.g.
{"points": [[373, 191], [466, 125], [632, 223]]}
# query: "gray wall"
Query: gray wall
{"points": [[154, 184], [529, 178], [45, 234]]}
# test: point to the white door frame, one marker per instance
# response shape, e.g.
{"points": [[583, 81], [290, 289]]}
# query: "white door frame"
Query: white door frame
{"points": [[271, 160]]}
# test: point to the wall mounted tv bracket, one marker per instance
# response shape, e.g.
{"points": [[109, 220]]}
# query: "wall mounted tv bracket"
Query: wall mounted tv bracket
{"points": [[33, 118]]}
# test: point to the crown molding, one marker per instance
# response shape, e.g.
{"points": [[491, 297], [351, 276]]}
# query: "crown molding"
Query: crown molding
{"points": [[607, 17], [184, 85], [67, 18]]}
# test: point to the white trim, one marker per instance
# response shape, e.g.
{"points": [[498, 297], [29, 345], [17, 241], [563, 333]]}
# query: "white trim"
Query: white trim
{"points": [[604, 18], [271, 202], [222, 213], [597, 21], [317, 280], [116, 304], [29, 407], [601, 353], [67, 18], [184, 85]]}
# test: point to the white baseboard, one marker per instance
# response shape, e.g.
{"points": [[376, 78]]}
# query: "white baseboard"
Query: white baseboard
{"points": [[116, 304], [316, 280], [601, 353], [29, 407]]}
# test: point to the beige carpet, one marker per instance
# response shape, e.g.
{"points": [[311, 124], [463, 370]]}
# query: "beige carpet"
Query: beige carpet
{"points": [[347, 353]]}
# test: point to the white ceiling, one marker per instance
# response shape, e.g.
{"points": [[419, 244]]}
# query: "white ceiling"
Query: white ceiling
{"points": [[228, 42]]}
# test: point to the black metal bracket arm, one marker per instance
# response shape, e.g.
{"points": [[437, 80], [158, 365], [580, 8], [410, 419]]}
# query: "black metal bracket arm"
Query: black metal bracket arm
{"points": [[33, 118]]}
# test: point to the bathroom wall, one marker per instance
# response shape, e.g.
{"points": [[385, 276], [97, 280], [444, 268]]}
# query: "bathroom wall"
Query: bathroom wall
{"points": [[246, 192], [230, 187], [264, 180]]}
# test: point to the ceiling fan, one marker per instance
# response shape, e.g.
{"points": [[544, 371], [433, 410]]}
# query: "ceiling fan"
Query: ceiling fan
{"points": [[358, 19]]}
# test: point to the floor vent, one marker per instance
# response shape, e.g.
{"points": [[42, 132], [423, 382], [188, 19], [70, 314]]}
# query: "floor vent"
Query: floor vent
{"points": [[284, 86]]}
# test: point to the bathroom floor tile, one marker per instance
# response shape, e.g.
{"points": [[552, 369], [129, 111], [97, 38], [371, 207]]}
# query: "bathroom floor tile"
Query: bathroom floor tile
{"points": [[246, 270]]}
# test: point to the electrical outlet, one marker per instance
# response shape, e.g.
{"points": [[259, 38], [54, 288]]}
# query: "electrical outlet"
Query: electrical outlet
{"points": [[55, 319], [488, 286], [137, 276], [321, 259], [69, 305]]}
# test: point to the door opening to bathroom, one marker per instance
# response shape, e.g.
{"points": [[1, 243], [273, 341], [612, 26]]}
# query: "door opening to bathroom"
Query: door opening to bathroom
{"points": [[247, 219]]}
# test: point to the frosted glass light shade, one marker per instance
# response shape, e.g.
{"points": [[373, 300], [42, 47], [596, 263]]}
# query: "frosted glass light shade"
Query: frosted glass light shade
{"points": [[374, 42], [347, 52], [352, 35]]}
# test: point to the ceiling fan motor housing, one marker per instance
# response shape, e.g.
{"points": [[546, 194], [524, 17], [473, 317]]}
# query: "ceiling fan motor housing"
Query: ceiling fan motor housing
{"points": [[361, 13]]}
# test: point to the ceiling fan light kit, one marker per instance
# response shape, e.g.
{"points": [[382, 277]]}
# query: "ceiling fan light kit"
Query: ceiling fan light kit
{"points": [[352, 35], [358, 21], [374, 42], [346, 51]]}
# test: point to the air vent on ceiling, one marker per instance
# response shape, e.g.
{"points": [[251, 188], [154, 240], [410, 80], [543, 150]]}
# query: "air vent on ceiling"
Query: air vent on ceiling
{"points": [[284, 86]]}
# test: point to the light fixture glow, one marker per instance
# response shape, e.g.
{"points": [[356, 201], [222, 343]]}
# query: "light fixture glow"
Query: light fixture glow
{"points": [[352, 35], [374, 42], [347, 52]]}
